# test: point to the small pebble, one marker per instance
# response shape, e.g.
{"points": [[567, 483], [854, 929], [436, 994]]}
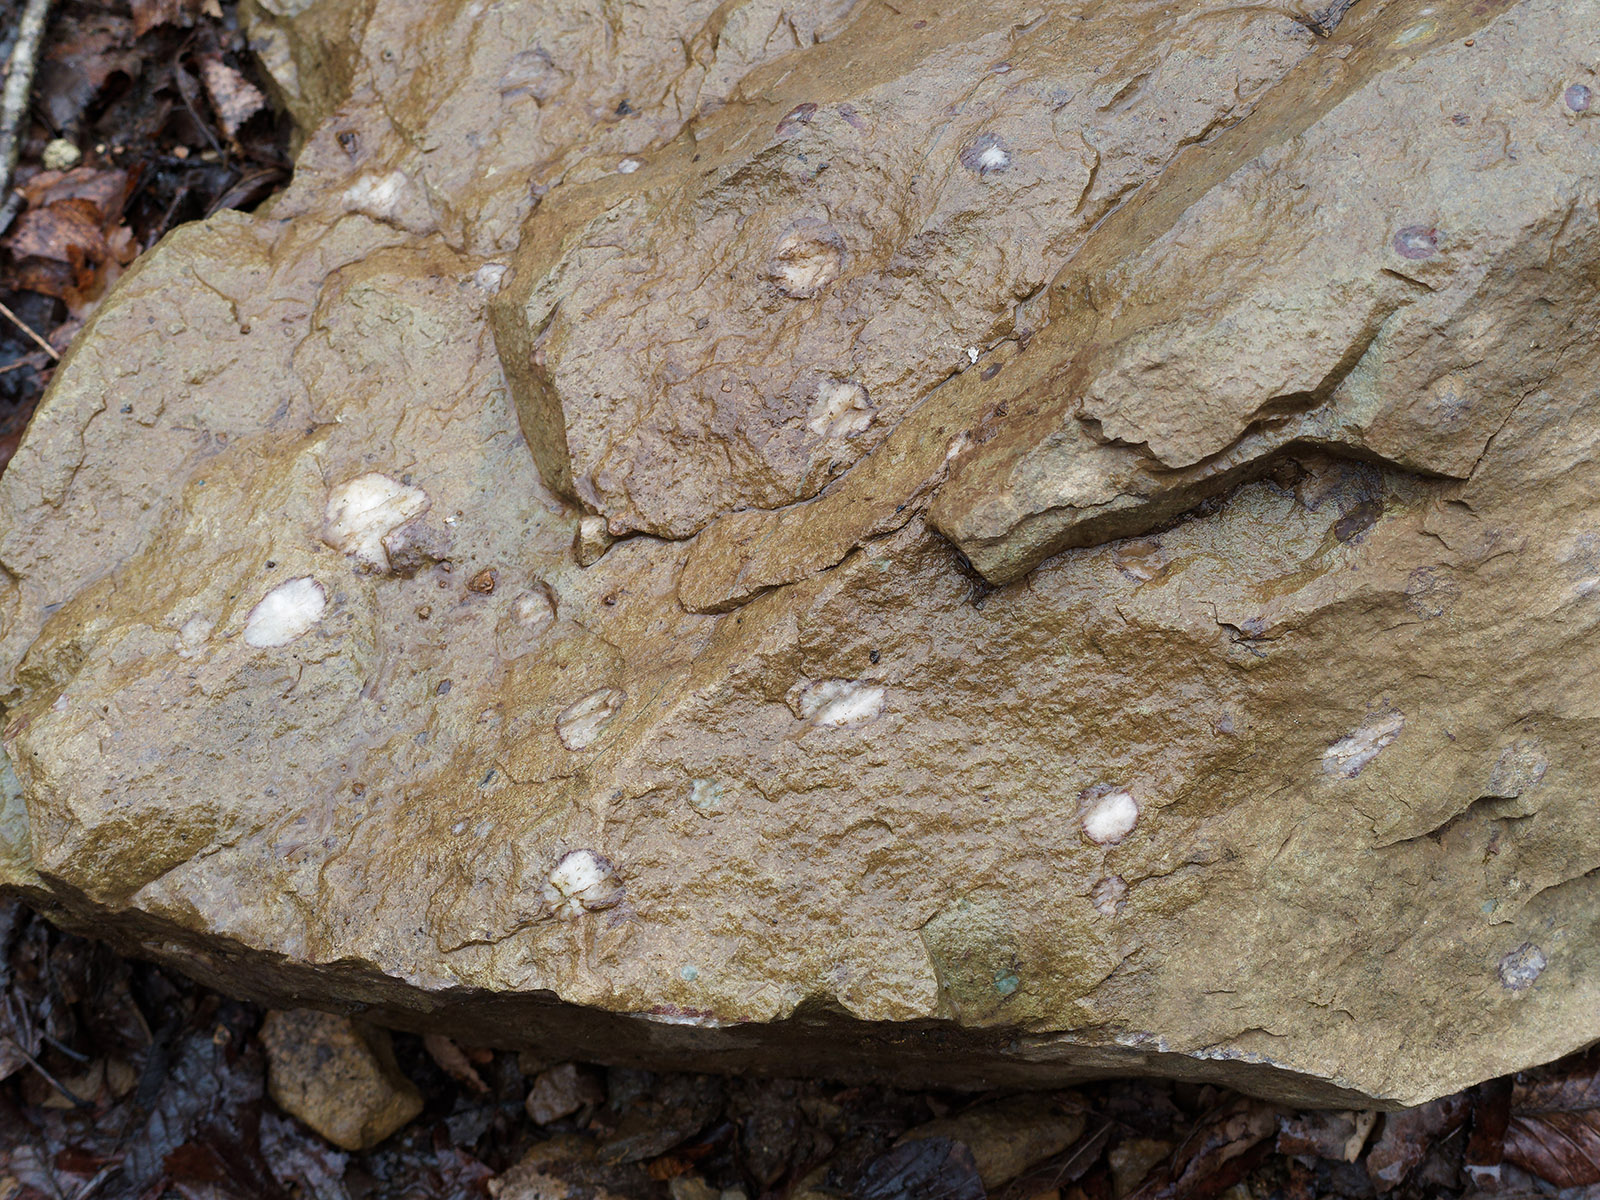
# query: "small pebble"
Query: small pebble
{"points": [[62, 155], [337, 1075]]}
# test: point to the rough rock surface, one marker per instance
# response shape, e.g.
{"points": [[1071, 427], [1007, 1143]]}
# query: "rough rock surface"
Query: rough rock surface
{"points": [[990, 546]]}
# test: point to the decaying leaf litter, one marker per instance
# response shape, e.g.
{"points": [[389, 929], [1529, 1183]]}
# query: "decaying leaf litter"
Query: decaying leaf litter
{"points": [[119, 1079], [144, 114]]}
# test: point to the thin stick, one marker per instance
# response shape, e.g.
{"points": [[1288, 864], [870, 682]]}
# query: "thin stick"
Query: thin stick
{"points": [[105, 1173], [14, 99], [77, 1101], [74, 1055], [23, 325]]}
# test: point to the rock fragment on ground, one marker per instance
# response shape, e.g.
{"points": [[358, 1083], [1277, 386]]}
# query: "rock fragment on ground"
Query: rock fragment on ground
{"points": [[337, 1075], [562, 1090]]}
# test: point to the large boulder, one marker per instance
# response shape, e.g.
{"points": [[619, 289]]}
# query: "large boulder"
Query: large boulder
{"points": [[992, 548]]}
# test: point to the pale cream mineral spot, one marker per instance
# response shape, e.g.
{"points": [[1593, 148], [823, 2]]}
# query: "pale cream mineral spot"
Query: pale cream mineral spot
{"points": [[1349, 755], [705, 797], [993, 159], [986, 155], [1111, 818], [841, 703], [807, 258], [1421, 31], [193, 636], [581, 882], [533, 610], [285, 613], [581, 722], [842, 409], [490, 276], [1109, 895], [375, 195], [367, 509], [591, 540]]}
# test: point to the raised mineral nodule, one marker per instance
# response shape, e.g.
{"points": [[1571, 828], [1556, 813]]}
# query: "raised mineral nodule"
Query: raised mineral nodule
{"points": [[986, 547]]}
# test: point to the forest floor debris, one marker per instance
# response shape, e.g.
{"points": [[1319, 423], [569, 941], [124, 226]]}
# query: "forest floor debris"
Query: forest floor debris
{"points": [[145, 114]]}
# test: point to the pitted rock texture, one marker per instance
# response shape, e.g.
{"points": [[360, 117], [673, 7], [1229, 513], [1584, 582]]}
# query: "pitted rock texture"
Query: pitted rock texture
{"points": [[988, 547], [860, 230]]}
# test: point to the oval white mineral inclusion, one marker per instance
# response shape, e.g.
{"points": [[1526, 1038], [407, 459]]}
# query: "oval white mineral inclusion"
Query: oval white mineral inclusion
{"points": [[581, 722], [581, 882], [286, 612], [1349, 755], [1111, 818]]}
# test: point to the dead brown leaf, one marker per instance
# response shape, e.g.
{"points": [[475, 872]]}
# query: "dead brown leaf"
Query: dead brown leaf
{"points": [[562, 1090], [1224, 1146], [67, 231], [233, 97], [147, 14], [70, 242], [85, 51], [106, 189], [1408, 1134], [454, 1062], [1554, 1130], [1334, 1135]]}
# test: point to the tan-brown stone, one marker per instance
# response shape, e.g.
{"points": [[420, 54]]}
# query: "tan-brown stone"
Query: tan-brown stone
{"points": [[1099, 576], [338, 1076]]}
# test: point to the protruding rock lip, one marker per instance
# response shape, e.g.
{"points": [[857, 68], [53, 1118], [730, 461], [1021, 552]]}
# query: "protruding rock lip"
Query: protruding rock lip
{"points": [[816, 1042], [711, 367], [1096, 457]]}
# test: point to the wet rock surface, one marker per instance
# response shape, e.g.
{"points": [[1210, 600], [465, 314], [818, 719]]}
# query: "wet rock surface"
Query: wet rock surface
{"points": [[997, 548]]}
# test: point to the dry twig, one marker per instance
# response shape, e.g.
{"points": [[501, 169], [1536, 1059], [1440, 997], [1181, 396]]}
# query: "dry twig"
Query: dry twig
{"points": [[14, 100], [28, 329]]}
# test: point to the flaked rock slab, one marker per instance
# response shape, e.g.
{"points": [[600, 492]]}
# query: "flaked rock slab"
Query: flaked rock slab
{"points": [[398, 616], [845, 241]]}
